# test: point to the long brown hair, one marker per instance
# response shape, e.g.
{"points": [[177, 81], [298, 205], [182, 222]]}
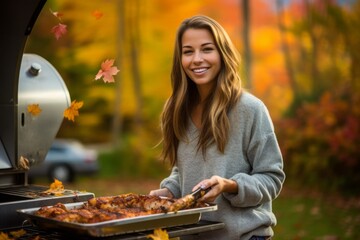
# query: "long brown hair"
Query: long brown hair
{"points": [[176, 113]]}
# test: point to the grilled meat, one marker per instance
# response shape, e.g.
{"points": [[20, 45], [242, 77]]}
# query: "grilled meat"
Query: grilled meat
{"points": [[53, 211], [182, 203], [190, 200], [113, 207]]}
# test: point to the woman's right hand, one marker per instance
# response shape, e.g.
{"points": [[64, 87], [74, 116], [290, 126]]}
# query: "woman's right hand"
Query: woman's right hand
{"points": [[163, 192]]}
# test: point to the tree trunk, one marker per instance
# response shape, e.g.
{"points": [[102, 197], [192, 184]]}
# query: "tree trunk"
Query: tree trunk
{"points": [[285, 48], [316, 80], [246, 39], [134, 41], [117, 118]]}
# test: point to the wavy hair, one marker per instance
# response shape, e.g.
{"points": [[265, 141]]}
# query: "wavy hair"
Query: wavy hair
{"points": [[177, 110]]}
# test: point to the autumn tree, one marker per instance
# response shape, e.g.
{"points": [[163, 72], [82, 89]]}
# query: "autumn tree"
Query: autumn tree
{"points": [[322, 131]]}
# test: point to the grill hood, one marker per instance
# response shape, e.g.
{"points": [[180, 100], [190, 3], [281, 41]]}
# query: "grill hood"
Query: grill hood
{"points": [[25, 79]]}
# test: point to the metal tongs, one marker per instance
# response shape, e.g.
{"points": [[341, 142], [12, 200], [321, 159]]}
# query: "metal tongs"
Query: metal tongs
{"points": [[198, 193]]}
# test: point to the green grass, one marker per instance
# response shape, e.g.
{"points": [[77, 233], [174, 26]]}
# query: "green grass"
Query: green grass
{"points": [[309, 215]]}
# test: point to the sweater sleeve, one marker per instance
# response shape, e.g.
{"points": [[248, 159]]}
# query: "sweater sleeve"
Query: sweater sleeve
{"points": [[264, 181], [172, 183]]}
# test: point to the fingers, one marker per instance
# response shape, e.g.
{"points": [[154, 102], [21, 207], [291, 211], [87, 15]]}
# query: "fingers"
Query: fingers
{"points": [[215, 190], [163, 192], [206, 183], [218, 186]]}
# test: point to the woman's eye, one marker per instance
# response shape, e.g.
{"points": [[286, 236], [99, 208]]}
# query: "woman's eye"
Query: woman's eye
{"points": [[208, 49], [187, 52]]}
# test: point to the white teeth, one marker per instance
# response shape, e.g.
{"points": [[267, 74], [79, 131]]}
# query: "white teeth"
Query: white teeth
{"points": [[199, 70]]}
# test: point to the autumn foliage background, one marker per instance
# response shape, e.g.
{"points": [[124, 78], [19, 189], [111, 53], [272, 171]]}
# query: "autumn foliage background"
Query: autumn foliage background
{"points": [[304, 66]]}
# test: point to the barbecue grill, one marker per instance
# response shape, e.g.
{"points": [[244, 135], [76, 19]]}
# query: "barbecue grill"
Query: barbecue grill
{"points": [[25, 138]]}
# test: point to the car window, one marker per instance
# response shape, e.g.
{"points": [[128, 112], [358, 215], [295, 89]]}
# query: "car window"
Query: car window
{"points": [[56, 149]]}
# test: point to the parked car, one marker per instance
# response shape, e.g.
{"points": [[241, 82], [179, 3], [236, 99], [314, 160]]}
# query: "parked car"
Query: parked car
{"points": [[65, 160]]}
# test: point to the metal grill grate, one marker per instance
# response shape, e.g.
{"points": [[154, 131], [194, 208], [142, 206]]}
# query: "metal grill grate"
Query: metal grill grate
{"points": [[202, 226], [23, 191]]}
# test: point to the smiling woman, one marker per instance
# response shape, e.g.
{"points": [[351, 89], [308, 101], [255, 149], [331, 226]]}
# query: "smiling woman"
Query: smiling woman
{"points": [[200, 59], [218, 136]]}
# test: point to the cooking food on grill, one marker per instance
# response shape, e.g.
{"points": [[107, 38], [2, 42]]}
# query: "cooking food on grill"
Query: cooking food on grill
{"points": [[182, 203], [154, 204], [189, 200], [102, 209]]}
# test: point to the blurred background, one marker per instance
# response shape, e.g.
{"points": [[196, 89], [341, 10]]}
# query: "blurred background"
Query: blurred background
{"points": [[301, 57]]}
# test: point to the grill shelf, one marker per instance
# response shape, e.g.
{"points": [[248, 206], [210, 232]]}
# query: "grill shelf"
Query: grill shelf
{"points": [[201, 226], [29, 192], [13, 198]]}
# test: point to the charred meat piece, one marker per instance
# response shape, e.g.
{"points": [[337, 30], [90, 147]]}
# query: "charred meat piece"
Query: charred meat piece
{"points": [[53, 211], [182, 203], [188, 201]]}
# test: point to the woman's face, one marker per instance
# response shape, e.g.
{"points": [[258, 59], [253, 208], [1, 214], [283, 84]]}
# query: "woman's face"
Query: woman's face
{"points": [[200, 57]]}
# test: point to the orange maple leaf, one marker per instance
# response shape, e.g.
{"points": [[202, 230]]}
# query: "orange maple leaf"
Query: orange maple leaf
{"points": [[34, 109], [18, 233], [97, 14], [58, 15], [59, 30], [107, 71], [56, 188], [71, 112], [159, 235], [4, 236]]}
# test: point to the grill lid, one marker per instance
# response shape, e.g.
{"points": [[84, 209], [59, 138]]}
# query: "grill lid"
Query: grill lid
{"points": [[17, 18], [39, 83], [25, 79]]}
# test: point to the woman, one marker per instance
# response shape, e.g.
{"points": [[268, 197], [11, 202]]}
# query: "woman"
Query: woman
{"points": [[217, 135]]}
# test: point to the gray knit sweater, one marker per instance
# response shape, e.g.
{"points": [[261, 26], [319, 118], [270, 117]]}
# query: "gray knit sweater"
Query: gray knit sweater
{"points": [[252, 158]]}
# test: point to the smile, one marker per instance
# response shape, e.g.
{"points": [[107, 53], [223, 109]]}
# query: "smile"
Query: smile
{"points": [[200, 70]]}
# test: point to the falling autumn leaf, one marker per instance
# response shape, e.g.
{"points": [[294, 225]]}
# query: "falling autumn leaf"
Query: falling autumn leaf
{"points": [[71, 112], [56, 188], [58, 15], [97, 14], [4, 236], [107, 71], [18, 233], [159, 235], [59, 30], [24, 163], [34, 109]]}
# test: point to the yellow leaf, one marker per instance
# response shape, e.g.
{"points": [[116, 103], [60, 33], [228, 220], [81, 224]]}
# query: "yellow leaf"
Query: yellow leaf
{"points": [[24, 163], [34, 109], [18, 233], [4, 236], [159, 235], [72, 111], [56, 188]]}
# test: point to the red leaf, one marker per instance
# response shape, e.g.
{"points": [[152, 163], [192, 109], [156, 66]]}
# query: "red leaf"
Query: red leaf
{"points": [[97, 14], [107, 71], [59, 30]]}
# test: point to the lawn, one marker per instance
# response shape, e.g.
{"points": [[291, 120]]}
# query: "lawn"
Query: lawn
{"points": [[302, 214]]}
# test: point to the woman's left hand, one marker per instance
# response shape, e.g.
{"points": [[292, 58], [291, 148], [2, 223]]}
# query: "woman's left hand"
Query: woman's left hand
{"points": [[218, 185]]}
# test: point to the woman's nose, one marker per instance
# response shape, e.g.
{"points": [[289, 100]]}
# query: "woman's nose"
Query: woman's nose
{"points": [[198, 57]]}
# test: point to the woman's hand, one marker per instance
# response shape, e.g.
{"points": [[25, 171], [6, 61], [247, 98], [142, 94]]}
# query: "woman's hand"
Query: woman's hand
{"points": [[163, 192], [218, 185]]}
